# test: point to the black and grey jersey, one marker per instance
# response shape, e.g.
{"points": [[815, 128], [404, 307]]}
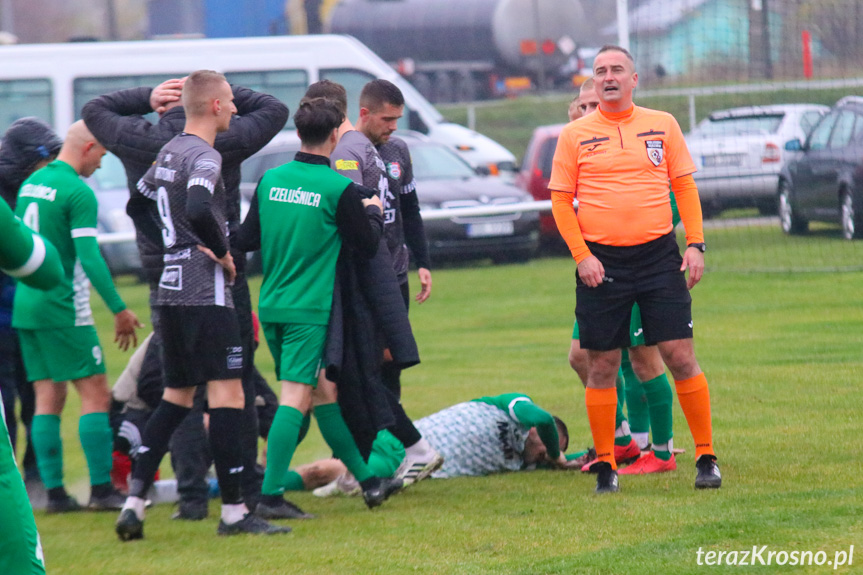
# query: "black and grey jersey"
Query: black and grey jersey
{"points": [[400, 177], [185, 167], [357, 158]]}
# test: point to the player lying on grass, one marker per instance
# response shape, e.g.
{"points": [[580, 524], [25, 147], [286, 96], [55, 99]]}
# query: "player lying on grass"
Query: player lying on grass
{"points": [[487, 435]]}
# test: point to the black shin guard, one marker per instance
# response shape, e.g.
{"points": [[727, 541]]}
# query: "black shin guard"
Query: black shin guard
{"points": [[154, 444], [227, 451], [403, 429]]}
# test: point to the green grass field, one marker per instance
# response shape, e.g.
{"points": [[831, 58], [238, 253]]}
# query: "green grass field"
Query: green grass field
{"points": [[783, 356]]}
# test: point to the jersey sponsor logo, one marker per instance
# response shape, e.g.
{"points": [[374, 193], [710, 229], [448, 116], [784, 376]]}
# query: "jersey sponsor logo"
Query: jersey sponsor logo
{"points": [[185, 254], [38, 191], [655, 151], [172, 278], [165, 174], [504, 435], [298, 196], [347, 165], [596, 153], [235, 360], [638, 332], [394, 170]]}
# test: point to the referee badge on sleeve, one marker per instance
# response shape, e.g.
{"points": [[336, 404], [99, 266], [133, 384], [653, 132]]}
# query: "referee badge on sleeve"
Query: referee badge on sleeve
{"points": [[655, 151]]}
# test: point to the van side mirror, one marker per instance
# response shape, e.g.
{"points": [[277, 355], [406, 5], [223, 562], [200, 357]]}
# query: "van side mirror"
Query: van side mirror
{"points": [[416, 123], [793, 145]]}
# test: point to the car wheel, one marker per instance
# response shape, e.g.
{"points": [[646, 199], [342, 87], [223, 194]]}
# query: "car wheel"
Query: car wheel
{"points": [[791, 223], [851, 228]]}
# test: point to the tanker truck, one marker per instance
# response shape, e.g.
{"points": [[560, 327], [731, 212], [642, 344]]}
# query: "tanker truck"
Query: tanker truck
{"points": [[462, 50]]}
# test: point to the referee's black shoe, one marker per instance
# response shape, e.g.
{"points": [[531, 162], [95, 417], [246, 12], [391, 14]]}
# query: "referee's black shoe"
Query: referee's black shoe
{"points": [[252, 524], [606, 477], [128, 526], [277, 507], [708, 476], [380, 491]]}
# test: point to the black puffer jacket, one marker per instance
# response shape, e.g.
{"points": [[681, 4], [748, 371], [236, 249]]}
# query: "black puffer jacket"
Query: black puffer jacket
{"points": [[117, 121], [368, 315]]}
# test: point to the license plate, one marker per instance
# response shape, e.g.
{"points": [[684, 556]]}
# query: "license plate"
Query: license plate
{"points": [[723, 161], [487, 229]]}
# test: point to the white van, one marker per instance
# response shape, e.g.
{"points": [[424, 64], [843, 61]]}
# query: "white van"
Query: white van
{"points": [[54, 81]]}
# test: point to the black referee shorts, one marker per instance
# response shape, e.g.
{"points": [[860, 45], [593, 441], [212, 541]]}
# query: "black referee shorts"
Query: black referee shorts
{"points": [[200, 344], [647, 274]]}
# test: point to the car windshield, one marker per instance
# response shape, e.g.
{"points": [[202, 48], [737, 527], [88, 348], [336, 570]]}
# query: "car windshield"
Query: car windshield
{"points": [[111, 176], [433, 162], [739, 125]]}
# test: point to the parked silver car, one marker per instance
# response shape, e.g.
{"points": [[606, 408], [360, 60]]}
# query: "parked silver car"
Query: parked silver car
{"points": [[739, 153]]}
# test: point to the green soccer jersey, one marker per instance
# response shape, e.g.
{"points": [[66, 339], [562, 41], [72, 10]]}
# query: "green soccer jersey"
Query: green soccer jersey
{"points": [[55, 202], [300, 241]]}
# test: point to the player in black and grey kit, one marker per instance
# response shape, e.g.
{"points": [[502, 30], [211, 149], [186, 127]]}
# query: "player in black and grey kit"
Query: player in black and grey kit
{"points": [[404, 231], [381, 105], [200, 332], [117, 121]]}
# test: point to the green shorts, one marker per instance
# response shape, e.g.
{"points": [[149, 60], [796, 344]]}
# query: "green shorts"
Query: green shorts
{"points": [[61, 354], [297, 350], [636, 333]]}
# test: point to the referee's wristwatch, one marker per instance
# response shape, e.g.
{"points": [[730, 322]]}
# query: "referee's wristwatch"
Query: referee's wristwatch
{"points": [[702, 247]]}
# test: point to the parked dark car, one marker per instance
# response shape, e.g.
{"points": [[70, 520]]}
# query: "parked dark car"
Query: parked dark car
{"points": [[536, 171], [825, 182], [444, 181]]}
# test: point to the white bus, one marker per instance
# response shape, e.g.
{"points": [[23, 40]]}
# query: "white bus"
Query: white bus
{"points": [[54, 81]]}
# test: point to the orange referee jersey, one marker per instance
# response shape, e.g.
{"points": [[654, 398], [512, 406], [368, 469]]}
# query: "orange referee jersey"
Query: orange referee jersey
{"points": [[618, 167]]}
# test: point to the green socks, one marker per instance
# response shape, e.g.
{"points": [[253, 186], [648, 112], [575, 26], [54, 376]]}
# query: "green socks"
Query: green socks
{"points": [[337, 436], [281, 443], [659, 398], [48, 446], [294, 482], [621, 434], [94, 431], [637, 412]]}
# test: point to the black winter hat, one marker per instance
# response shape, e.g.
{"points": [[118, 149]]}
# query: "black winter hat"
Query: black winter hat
{"points": [[28, 141]]}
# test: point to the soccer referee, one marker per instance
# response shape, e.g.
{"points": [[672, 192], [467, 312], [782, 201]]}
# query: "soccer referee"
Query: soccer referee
{"points": [[618, 162]]}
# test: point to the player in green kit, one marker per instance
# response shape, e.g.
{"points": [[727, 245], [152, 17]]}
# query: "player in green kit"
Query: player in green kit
{"points": [[300, 216], [34, 262], [58, 340]]}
